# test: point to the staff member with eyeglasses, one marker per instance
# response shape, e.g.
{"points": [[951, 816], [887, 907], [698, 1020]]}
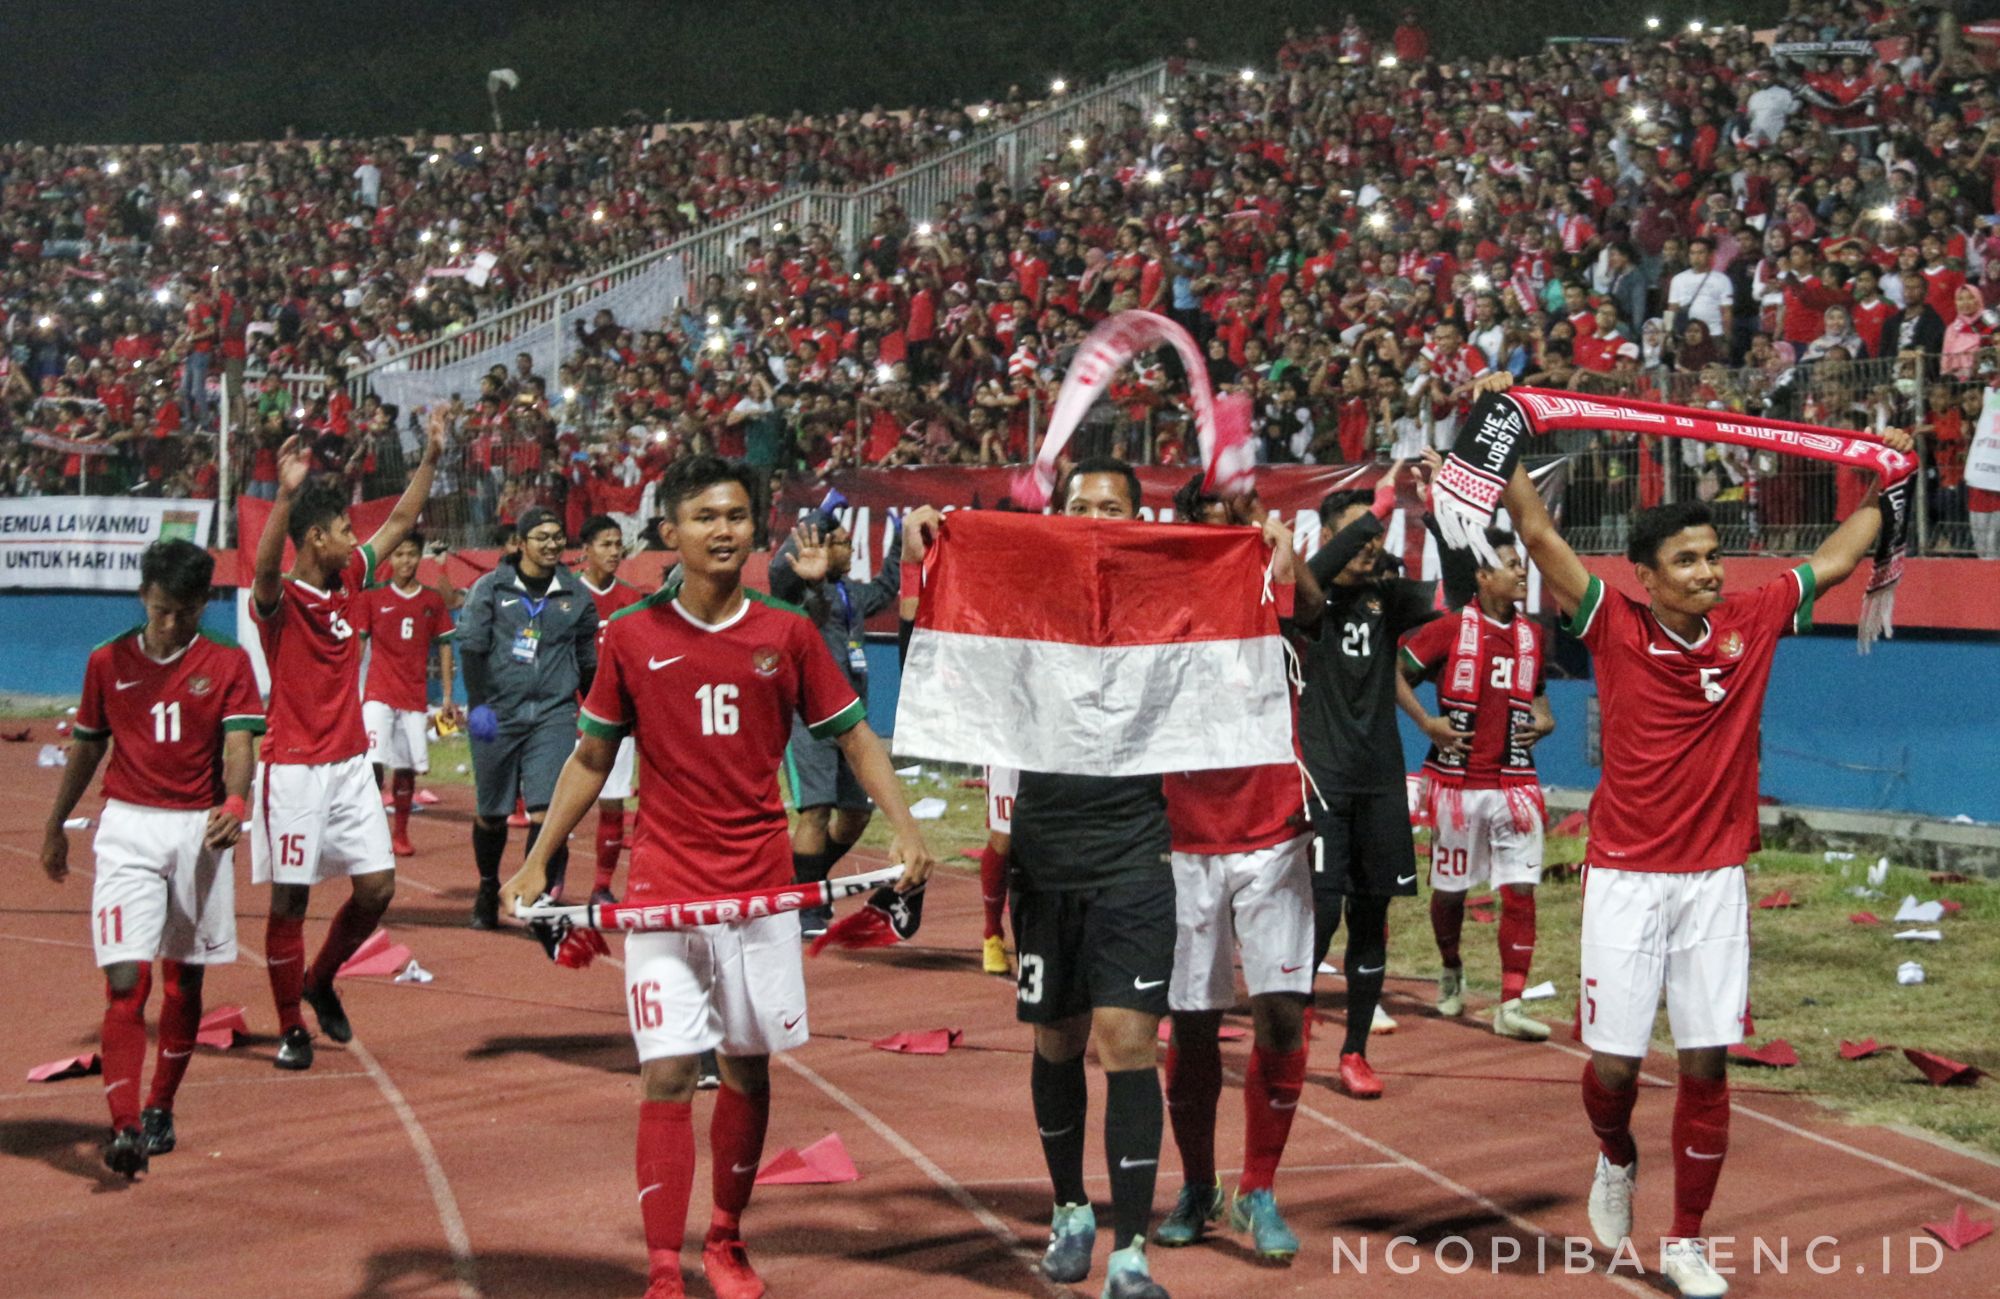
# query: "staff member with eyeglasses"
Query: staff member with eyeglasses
{"points": [[528, 639]]}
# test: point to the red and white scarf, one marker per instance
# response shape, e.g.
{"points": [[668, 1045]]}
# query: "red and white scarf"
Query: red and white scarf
{"points": [[1476, 472], [1459, 687]]}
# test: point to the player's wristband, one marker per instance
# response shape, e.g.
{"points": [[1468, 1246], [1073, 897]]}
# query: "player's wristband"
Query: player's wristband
{"points": [[911, 586], [235, 806]]}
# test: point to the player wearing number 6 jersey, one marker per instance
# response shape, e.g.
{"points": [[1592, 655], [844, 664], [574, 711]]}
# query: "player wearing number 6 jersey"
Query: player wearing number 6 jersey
{"points": [[317, 813], [706, 677], [1680, 681], [178, 708], [401, 620]]}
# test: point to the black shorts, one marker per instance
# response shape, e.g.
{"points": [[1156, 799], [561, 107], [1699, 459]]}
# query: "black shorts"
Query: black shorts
{"points": [[1079, 949], [1364, 845]]}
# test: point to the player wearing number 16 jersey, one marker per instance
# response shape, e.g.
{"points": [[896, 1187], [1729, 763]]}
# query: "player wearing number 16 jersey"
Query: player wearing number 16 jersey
{"points": [[178, 708], [1680, 680], [706, 677], [317, 813]]}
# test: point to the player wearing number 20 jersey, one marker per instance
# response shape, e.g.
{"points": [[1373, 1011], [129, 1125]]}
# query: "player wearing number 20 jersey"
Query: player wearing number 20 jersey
{"points": [[711, 708]]}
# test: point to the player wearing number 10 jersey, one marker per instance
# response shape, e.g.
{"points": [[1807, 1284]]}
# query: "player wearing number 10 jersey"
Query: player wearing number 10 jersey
{"points": [[706, 677], [317, 813], [1680, 680]]}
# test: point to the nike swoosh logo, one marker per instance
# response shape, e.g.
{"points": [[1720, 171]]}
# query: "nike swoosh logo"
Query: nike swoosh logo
{"points": [[656, 664], [1362, 969], [649, 1190], [1143, 984], [1127, 1161], [387, 609], [115, 1086], [793, 1021], [1662, 653], [127, 685], [176, 1055], [740, 1169], [1290, 969], [1285, 1105], [285, 960], [207, 946], [1051, 1136], [1692, 1153], [508, 604], [1517, 947], [1406, 879]]}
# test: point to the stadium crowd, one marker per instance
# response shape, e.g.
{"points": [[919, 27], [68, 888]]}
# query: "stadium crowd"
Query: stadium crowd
{"points": [[1800, 232]]}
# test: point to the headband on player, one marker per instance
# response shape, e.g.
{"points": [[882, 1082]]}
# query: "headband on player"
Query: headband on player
{"points": [[1468, 488]]}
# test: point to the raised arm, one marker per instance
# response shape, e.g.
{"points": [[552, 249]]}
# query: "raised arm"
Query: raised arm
{"points": [[294, 464], [1562, 572], [1854, 540], [411, 506]]}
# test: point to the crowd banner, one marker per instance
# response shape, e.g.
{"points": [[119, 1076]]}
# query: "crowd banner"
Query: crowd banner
{"points": [[877, 498], [90, 543], [1982, 460]]}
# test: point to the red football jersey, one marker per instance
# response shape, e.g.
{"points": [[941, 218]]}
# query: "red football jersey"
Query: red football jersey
{"points": [[619, 595], [314, 659], [1429, 647], [400, 627], [712, 708], [166, 719], [1235, 809], [1681, 725]]}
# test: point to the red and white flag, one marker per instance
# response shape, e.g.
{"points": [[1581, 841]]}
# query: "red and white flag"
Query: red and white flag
{"points": [[1095, 647]]}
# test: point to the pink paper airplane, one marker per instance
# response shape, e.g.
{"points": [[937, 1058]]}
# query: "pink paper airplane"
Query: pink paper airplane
{"points": [[1776, 901], [1962, 1230], [1864, 918], [379, 955], [219, 1027], [824, 1161], [934, 1041], [1775, 1054], [1861, 1050], [75, 1066], [1941, 1071]]}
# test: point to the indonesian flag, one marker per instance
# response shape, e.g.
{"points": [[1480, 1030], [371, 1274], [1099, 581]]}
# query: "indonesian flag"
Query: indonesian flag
{"points": [[1095, 647]]}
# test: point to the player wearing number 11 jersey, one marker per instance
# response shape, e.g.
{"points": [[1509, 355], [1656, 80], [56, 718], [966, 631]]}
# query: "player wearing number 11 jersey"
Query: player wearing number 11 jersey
{"points": [[706, 677], [1680, 681]]}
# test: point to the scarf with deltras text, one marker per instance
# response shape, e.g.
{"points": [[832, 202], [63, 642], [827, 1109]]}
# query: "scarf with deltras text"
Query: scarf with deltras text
{"points": [[1468, 489], [1459, 686]]}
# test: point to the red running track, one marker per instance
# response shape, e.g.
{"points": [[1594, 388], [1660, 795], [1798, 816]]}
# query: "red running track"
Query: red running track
{"points": [[477, 1137]]}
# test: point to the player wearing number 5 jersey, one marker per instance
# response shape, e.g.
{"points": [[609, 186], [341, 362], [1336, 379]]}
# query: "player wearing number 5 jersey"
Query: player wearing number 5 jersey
{"points": [[317, 813], [706, 677], [177, 707], [1680, 681], [401, 621]]}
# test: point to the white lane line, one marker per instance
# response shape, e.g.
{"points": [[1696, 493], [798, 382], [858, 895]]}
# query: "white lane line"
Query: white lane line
{"points": [[441, 1196], [945, 1182], [317, 1075], [47, 942], [1832, 1143], [1401, 1160]]}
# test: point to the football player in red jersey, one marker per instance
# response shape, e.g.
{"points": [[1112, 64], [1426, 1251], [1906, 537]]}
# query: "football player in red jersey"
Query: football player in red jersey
{"points": [[177, 706], [706, 677], [1680, 680], [317, 813], [1242, 881], [401, 621], [603, 549], [1486, 804]]}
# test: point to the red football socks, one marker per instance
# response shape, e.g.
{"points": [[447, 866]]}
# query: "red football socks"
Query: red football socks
{"points": [[1517, 939], [402, 790], [1194, 1085], [1271, 1088], [350, 928], [1447, 922], [992, 888], [610, 839], [736, 1147], [285, 962], [1610, 1116], [180, 1019], [123, 1048], [666, 1180], [1701, 1139]]}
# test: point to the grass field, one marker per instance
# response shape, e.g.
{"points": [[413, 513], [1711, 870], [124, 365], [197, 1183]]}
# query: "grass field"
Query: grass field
{"points": [[1816, 978]]}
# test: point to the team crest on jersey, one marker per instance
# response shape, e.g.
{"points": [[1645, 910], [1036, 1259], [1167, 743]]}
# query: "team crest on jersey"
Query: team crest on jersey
{"points": [[200, 686], [1732, 645], [1372, 604], [765, 659]]}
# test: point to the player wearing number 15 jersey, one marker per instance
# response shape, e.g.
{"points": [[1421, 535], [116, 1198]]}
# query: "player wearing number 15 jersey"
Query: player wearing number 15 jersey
{"points": [[1680, 681], [706, 677], [178, 708], [317, 813]]}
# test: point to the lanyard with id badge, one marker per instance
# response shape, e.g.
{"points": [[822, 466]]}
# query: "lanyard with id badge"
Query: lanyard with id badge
{"points": [[857, 657], [528, 641]]}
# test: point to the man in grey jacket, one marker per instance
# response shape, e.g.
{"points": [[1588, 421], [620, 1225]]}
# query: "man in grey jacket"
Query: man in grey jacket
{"points": [[528, 639], [810, 570]]}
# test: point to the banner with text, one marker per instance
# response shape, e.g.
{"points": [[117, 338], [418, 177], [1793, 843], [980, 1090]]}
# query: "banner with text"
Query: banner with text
{"points": [[876, 498], [90, 542]]}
